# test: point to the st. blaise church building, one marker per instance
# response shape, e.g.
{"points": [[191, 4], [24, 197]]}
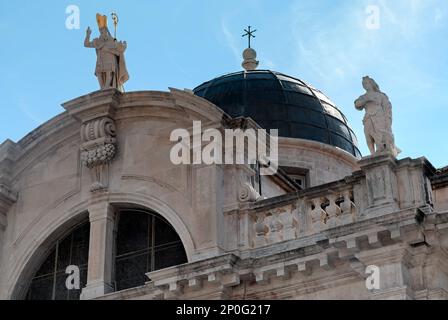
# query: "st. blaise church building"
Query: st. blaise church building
{"points": [[95, 188]]}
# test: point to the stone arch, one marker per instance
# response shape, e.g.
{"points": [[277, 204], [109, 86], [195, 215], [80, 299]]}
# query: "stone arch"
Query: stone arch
{"points": [[36, 254], [164, 210]]}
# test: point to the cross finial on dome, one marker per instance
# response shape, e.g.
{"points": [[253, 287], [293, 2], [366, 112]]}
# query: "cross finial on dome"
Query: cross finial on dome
{"points": [[249, 34], [250, 55]]}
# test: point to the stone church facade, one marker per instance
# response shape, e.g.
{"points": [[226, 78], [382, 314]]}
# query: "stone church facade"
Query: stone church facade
{"points": [[95, 188]]}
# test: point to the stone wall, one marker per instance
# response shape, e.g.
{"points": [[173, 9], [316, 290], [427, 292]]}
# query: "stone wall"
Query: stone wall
{"points": [[111, 150]]}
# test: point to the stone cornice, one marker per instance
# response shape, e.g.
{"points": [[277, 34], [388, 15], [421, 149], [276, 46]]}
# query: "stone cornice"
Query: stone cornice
{"points": [[227, 272], [377, 160], [95, 105], [440, 178], [421, 162]]}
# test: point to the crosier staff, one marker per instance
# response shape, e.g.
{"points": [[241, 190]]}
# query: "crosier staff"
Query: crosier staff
{"points": [[115, 21]]}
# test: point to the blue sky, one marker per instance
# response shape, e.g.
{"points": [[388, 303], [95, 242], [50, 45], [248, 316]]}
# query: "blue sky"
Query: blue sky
{"points": [[183, 43]]}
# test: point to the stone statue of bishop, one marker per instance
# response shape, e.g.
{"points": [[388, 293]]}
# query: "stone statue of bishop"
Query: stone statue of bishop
{"points": [[110, 65], [378, 118]]}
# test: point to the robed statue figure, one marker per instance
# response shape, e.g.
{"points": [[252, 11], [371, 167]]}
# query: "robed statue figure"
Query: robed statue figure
{"points": [[378, 118], [110, 65]]}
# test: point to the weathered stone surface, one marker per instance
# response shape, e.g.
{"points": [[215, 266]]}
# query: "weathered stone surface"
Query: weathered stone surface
{"points": [[284, 243]]}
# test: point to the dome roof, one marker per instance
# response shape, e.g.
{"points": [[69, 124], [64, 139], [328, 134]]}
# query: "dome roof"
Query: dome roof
{"points": [[278, 101]]}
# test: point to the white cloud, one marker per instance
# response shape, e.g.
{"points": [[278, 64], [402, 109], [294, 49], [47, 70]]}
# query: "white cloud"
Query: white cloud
{"points": [[22, 106], [231, 42], [337, 44]]}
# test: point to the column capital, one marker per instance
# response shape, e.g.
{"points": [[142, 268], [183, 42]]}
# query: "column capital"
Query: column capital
{"points": [[100, 211]]}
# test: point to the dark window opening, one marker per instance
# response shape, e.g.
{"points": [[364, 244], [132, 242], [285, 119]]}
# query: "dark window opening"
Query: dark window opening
{"points": [[299, 175], [145, 242], [49, 281]]}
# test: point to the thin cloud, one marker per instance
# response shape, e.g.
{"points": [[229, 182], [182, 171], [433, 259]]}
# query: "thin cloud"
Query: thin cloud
{"points": [[231, 43], [342, 47], [22, 106]]}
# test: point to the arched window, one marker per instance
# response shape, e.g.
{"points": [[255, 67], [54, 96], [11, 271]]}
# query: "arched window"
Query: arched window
{"points": [[145, 242], [49, 281]]}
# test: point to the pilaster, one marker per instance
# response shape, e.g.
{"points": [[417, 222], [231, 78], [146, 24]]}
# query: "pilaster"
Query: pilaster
{"points": [[100, 266], [381, 184]]}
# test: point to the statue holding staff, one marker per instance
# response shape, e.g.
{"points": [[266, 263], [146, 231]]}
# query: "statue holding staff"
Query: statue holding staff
{"points": [[111, 65]]}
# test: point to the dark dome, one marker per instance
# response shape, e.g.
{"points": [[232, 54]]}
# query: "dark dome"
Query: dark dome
{"points": [[278, 101]]}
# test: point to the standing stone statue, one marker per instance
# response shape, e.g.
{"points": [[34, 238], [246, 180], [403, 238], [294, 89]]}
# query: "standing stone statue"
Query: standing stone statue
{"points": [[110, 65], [378, 118]]}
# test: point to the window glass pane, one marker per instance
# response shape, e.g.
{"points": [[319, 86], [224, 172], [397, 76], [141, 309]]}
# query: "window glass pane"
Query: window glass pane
{"points": [[229, 78], [303, 100], [303, 131], [41, 288], [164, 233], [47, 266], [200, 93], [333, 112], [64, 253], [80, 245], [130, 272], [75, 294], [169, 256], [71, 250], [264, 96], [294, 86], [282, 77], [61, 293], [256, 85], [323, 97], [266, 111], [165, 251], [341, 143], [338, 127], [354, 139], [283, 127], [260, 75], [133, 232], [306, 115]]}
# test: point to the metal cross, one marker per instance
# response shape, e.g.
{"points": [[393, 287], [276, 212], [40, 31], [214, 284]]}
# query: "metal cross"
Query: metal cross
{"points": [[249, 34], [115, 20]]}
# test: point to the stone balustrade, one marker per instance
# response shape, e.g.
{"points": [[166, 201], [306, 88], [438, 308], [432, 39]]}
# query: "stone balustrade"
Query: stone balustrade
{"points": [[276, 225], [331, 209], [378, 190]]}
